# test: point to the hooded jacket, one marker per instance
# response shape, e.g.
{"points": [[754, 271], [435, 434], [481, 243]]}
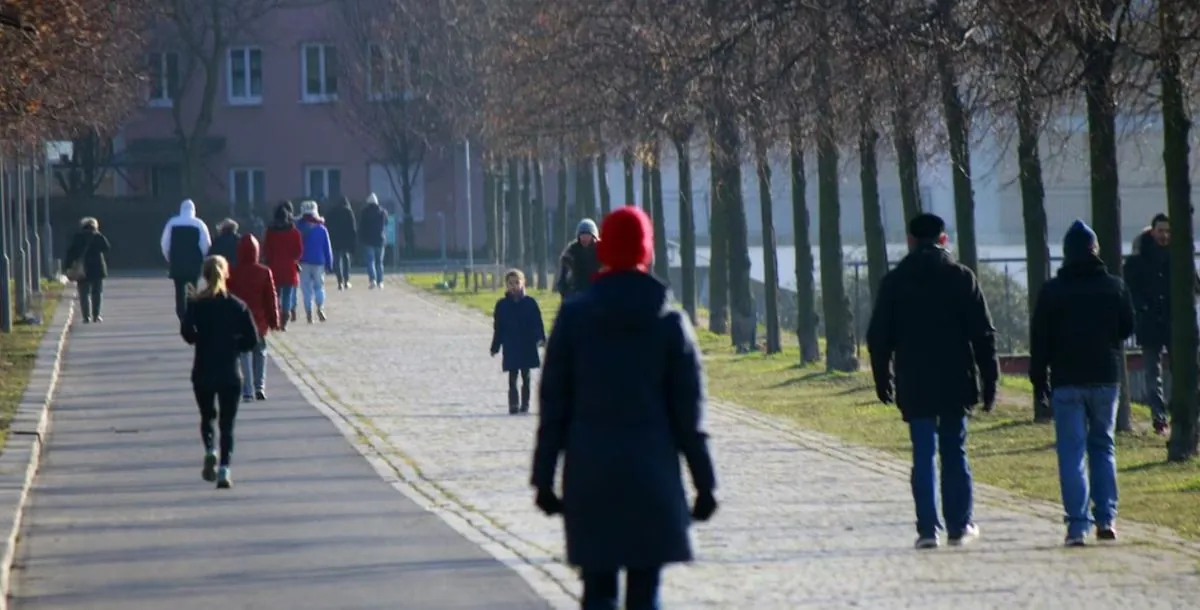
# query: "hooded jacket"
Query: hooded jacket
{"points": [[372, 225], [343, 229], [317, 248], [185, 242], [282, 248], [254, 284]]}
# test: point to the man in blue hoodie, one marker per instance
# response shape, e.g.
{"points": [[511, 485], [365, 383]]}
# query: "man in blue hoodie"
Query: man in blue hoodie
{"points": [[316, 261]]}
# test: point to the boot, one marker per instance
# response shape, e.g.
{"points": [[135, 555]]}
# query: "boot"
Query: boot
{"points": [[525, 399], [321, 314]]}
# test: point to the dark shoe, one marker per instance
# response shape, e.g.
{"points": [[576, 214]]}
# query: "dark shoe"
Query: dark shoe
{"points": [[1106, 533], [1162, 428], [209, 472], [347, 284], [224, 478], [293, 313], [968, 535], [1075, 540], [87, 320], [340, 286], [525, 408], [513, 409], [308, 316], [260, 395], [927, 542], [321, 314]]}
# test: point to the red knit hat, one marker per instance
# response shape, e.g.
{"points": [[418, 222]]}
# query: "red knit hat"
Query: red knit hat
{"points": [[628, 240]]}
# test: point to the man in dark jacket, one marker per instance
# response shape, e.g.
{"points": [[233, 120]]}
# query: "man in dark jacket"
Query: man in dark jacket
{"points": [[1149, 275], [226, 242], [185, 242], [372, 233], [1082, 318], [578, 262], [343, 232], [622, 398], [931, 319]]}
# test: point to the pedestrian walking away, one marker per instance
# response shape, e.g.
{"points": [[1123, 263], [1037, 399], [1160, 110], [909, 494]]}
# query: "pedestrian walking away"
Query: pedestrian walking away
{"points": [[282, 249], [931, 321], [622, 397], [343, 236], [221, 328], [518, 330], [185, 242], [225, 243], [254, 284], [578, 262], [315, 261], [1080, 323], [85, 264], [372, 232]]}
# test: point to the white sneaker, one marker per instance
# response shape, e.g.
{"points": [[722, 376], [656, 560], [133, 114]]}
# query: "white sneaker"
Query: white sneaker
{"points": [[927, 542], [969, 535]]}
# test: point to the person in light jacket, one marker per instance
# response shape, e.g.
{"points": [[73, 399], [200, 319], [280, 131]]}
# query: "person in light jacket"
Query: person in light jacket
{"points": [[185, 242], [316, 261]]}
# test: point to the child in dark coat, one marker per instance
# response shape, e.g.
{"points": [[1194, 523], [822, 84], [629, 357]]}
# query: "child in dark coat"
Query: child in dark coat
{"points": [[518, 331]]}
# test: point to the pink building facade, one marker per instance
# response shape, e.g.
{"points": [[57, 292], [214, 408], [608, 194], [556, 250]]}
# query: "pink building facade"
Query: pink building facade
{"points": [[282, 128]]}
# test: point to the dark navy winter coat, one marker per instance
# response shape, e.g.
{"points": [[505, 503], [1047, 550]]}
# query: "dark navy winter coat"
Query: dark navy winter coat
{"points": [[517, 329], [622, 397]]}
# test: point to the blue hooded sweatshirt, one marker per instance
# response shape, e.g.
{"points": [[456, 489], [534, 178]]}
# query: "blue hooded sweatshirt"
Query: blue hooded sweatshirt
{"points": [[317, 248]]}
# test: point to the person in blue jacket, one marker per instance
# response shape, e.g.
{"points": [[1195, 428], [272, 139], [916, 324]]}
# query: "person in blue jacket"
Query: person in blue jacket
{"points": [[622, 397], [316, 261], [517, 328]]}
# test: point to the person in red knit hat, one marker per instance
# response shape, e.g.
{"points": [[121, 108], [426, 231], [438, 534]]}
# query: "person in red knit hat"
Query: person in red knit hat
{"points": [[622, 396]]}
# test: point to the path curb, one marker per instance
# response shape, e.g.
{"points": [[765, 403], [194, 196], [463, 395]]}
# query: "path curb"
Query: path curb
{"points": [[27, 436]]}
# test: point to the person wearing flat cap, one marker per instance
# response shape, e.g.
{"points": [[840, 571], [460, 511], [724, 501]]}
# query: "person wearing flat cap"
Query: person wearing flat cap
{"points": [[622, 397], [932, 323]]}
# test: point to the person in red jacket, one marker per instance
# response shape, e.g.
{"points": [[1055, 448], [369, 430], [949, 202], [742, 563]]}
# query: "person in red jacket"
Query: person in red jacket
{"points": [[282, 248], [254, 284]]}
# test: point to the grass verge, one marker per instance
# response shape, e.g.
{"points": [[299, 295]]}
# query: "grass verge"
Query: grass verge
{"points": [[1007, 449], [18, 353]]}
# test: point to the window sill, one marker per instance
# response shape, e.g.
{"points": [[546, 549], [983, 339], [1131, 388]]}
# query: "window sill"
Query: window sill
{"points": [[318, 99], [245, 101]]}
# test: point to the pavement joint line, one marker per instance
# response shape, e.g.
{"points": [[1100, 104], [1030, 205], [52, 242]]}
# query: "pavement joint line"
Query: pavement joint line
{"points": [[550, 581], [873, 459], [49, 363]]}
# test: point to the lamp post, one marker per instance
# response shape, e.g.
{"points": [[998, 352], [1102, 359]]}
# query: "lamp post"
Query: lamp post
{"points": [[20, 248], [470, 220], [35, 241], [46, 237], [5, 285]]}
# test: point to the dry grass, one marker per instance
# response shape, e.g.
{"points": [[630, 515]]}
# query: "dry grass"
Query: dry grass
{"points": [[18, 353], [1007, 449]]}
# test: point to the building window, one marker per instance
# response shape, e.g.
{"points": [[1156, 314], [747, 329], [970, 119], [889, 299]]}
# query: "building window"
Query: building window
{"points": [[166, 181], [322, 182], [386, 181], [164, 77], [319, 72], [244, 77], [247, 186]]}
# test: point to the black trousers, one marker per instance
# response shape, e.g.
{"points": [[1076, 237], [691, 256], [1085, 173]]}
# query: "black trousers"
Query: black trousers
{"points": [[600, 590], [181, 295], [222, 406], [512, 388], [90, 292]]}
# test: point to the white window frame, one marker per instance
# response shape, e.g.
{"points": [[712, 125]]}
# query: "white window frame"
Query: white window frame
{"points": [[245, 97], [164, 75], [324, 95], [255, 176], [325, 172]]}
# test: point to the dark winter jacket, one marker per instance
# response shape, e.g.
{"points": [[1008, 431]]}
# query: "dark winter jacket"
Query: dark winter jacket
{"points": [[372, 226], [253, 283], [282, 249], [185, 242], [226, 244], [91, 246], [343, 230], [932, 320], [1081, 319], [577, 265], [517, 329], [622, 397], [222, 328], [1148, 274]]}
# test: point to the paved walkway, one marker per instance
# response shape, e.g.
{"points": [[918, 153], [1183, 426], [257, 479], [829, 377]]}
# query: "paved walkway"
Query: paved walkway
{"points": [[806, 522], [120, 518]]}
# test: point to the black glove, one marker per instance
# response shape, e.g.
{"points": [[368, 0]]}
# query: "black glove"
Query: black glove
{"points": [[989, 396], [705, 506], [883, 391], [547, 501]]}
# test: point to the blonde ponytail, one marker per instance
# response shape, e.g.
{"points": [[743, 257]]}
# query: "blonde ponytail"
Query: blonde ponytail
{"points": [[213, 274]]}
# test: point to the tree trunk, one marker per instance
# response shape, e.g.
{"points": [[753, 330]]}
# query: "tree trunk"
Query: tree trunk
{"points": [[905, 141], [718, 270], [806, 291], [1033, 207], [647, 203], [585, 195], [627, 163], [602, 178], [539, 225], [958, 129], [687, 229], [1177, 126], [527, 217], [1105, 185], [661, 263], [516, 234], [839, 340], [563, 217], [732, 205], [500, 212], [770, 255], [873, 236], [490, 249], [406, 206]]}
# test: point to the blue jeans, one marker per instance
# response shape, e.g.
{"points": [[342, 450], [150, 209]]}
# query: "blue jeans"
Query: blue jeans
{"points": [[341, 266], [373, 257], [287, 300], [1085, 418], [312, 285], [945, 437], [254, 368]]}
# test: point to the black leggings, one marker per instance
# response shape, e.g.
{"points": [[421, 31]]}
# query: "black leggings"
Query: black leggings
{"points": [[512, 388], [641, 588], [228, 400]]}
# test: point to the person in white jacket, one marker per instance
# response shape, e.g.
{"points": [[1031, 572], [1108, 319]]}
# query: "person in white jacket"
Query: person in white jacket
{"points": [[185, 243]]}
